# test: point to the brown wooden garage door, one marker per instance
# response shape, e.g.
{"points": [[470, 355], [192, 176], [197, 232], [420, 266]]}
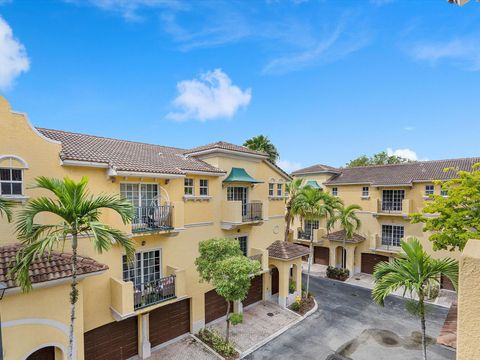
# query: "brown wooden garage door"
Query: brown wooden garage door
{"points": [[215, 306], [168, 322], [370, 260], [275, 280], [446, 284], [114, 341], [321, 255], [255, 293], [47, 353]]}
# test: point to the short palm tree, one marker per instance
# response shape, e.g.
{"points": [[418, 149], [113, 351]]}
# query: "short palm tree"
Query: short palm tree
{"points": [[6, 208], [416, 272], [349, 222], [311, 204], [262, 143], [79, 214], [293, 189]]}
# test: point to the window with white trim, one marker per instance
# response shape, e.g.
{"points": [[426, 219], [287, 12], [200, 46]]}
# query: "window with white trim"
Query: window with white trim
{"points": [[365, 191], [188, 186], [146, 268], [141, 195], [203, 187], [11, 181], [271, 189], [243, 240], [392, 234], [279, 189], [429, 190], [335, 191], [444, 192]]}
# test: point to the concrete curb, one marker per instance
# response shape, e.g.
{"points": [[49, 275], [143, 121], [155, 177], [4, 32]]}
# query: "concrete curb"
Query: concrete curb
{"points": [[279, 332], [208, 347]]}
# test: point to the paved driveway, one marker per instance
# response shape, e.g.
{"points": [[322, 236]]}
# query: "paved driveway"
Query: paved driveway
{"points": [[349, 323]]}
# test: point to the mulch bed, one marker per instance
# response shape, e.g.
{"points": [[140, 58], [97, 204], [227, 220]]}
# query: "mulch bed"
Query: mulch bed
{"points": [[305, 306], [208, 341]]}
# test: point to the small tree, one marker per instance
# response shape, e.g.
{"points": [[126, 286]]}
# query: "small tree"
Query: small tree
{"points": [[262, 143], [221, 263], [454, 219], [294, 188], [381, 158], [416, 272]]}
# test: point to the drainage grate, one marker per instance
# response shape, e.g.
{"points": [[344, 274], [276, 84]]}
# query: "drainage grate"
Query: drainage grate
{"points": [[270, 314], [353, 294]]}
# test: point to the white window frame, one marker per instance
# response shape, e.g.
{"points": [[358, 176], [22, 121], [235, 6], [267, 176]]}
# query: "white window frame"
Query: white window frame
{"points": [[139, 184], [334, 191], [391, 240], [279, 190], [365, 191], [443, 193], [271, 189], [190, 187], [11, 182], [204, 187], [429, 190], [140, 276]]}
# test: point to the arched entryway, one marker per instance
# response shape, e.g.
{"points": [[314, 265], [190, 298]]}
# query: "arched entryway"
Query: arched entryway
{"points": [[275, 280], [340, 257], [45, 353]]}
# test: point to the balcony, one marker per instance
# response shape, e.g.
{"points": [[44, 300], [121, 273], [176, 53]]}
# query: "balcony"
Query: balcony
{"points": [[234, 213], [305, 235], [152, 219], [127, 299], [385, 245], [394, 208]]}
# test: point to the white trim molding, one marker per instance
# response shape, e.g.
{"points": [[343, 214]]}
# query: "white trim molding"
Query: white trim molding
{"points": [[16, 157], [34, 129]]}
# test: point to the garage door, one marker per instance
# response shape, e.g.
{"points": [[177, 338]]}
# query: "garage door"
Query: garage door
{"points": [[47, 353], [114, 341], [370, 260], [168, 322], [321, 255], [255, 292], [275, 280], [215, 306], [446, 284]]}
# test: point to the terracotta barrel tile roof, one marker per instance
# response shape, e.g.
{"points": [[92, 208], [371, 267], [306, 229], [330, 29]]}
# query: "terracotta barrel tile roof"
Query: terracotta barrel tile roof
{"points": [[340, 235], [286, 251], [221, 145], [48, 267], [402, 174]]}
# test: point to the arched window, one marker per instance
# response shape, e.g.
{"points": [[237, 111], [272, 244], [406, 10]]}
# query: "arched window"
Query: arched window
{"points": [[12, 175]]}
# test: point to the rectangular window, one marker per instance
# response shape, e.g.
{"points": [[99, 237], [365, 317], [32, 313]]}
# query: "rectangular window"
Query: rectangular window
{"points": [[335, 191], [444, 193], [146, 268], [243, 240], [11, 182], [308, 227], [238, 193], [271, 189], [392, 200], [203, 187], [429, 190], [392, 234], [188, 187], [365, 191], [279, 189], [141, 195]]}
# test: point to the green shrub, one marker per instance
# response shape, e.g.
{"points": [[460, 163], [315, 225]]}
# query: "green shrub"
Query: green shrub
{"points": [[337, 273], [236, 319], [213, 339], [292, 286], [295, 306]]}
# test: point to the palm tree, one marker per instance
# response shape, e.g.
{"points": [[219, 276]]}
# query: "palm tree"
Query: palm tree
{"points": [[6, 208], [293, 188], [416, 272], [79, 214], [312, 204], [262, 143], [349, 222]]}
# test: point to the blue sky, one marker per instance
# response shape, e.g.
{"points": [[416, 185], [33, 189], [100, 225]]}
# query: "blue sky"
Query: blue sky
{"points": [[326, 80]]}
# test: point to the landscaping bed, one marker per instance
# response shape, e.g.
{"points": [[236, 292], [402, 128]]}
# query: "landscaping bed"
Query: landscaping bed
{"points": [[337, 273], [303, 306], [217, 342]]}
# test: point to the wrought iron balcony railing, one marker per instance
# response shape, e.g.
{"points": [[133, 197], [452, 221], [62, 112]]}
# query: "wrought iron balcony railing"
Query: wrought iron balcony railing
{"points": [[152, 218], [154, 292], [391, 206], [252, 212]]}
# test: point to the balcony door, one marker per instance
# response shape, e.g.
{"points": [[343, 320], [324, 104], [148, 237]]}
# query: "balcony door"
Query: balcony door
{"points": [[146, 269], [238, 193], [392, 200]]}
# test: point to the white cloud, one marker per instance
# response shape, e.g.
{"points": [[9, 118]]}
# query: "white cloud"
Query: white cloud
{"points": [[463, 51], [13, 56], [408, 128], [210, 96], [288, 165], [403, 153]]}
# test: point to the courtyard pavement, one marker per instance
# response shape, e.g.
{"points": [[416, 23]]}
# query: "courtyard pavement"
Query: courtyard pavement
{"points": [[184, 349], [349, 325]]}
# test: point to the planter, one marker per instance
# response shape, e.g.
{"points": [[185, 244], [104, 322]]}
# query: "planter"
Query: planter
{"points": [[337, 273]]}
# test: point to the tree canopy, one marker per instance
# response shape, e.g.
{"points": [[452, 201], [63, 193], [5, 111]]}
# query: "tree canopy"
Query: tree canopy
{"points": [[381, 158], [262, 143], [453, 219]]}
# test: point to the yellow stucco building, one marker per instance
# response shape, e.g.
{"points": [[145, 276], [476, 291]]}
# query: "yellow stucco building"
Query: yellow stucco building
{"points": [[387, 195], [181, 197]]}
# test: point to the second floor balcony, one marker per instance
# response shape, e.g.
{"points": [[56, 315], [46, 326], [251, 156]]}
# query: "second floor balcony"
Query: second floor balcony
{"points": [[395, 208], [153, 219], [385, 244], [235, 213]]}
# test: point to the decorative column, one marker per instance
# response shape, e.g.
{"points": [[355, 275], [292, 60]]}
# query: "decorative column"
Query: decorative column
{"points": [[144, 347]]}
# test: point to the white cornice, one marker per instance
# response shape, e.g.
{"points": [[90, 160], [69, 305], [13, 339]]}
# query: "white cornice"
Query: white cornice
{"points": [[148, 174], [81, 163]]}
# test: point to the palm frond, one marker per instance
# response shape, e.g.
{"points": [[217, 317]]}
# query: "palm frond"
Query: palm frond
{"points": [[104, 237], [6, 207], [91, 206]]}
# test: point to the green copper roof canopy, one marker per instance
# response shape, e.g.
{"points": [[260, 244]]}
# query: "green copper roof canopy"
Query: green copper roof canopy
{"points": [[240, 175], [313, 184]]}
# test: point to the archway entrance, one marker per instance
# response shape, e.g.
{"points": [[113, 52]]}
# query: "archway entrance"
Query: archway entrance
{"points": [[275, 280], [341, 257], [46, 353]]}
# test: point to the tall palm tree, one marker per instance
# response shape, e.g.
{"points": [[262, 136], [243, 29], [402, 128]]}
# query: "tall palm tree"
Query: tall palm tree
{"points": [[293, 188], [416, 272], [6, 208], [79, 214], [312, 204], [349, 222], [263, 143]]}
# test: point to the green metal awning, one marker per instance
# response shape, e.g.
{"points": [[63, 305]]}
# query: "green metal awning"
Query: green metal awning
{"points": [[240, 175], [313, 184]]}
